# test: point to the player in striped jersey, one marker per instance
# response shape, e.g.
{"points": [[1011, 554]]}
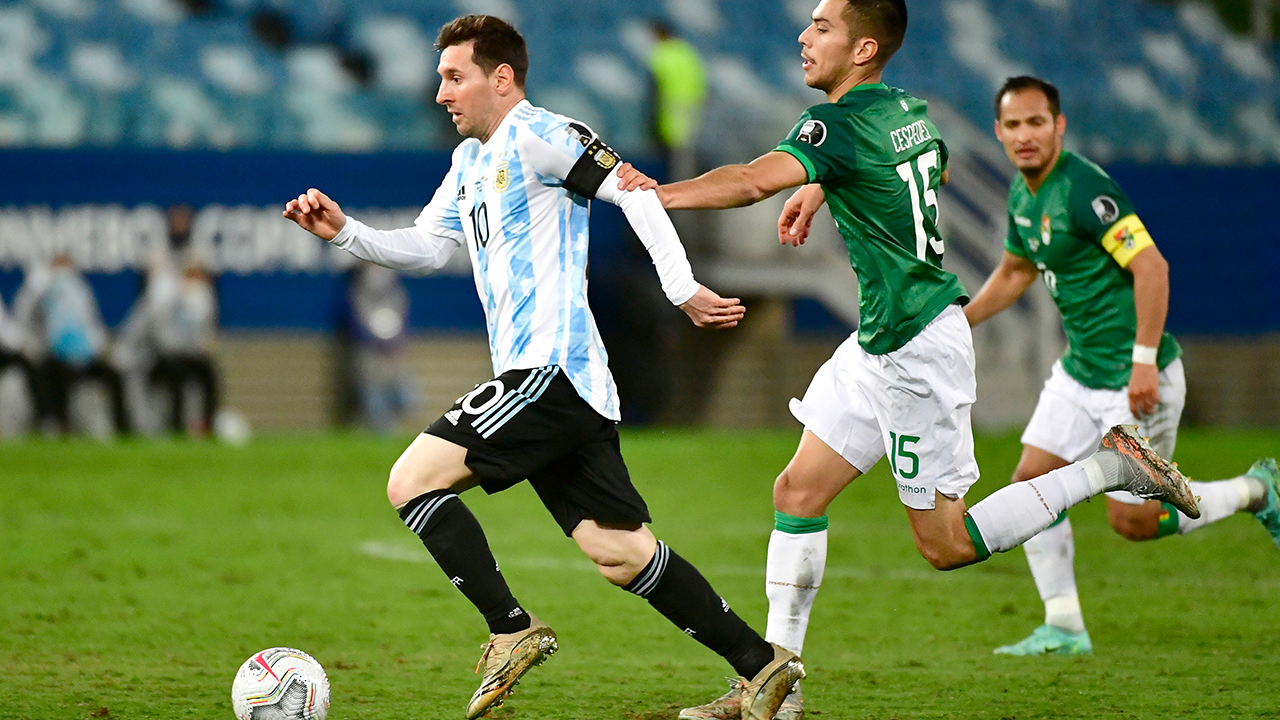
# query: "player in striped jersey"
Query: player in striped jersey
{"points": [[517, 196]]}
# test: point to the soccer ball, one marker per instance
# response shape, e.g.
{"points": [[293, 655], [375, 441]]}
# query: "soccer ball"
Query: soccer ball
{"points": [[280, 684]]}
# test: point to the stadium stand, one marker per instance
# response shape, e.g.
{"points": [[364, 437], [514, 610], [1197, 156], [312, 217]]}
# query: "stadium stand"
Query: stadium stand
{"points": [[1145, 81]]}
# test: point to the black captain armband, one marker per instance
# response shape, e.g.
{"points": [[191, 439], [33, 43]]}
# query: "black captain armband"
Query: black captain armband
{"points": [[597, 161]]}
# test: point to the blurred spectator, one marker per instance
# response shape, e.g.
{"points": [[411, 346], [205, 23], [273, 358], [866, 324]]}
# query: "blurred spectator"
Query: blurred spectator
{"points": [[172, 329], [12, 339], [679, 89], [66, 336], [384, 386]]}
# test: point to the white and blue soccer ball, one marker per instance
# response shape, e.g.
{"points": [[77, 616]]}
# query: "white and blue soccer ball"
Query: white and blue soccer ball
{"points": [[280, 684]]}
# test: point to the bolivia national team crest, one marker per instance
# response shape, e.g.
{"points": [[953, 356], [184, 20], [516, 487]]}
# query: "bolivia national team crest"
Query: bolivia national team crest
{"points": [[1046, 230], [501, 177], [1125, 237], [813, 132]]}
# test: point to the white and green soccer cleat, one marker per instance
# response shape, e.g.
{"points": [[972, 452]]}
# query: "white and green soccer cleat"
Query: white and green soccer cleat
{"points": [[1150, 476], [1050, 640], [1266, 471]]}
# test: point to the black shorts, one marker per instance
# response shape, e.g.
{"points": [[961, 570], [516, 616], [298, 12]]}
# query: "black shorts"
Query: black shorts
{"points": [[531, 424]]}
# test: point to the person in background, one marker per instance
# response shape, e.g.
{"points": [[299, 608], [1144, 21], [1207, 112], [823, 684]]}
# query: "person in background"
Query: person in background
{"points": [[379, 308], [184, 329], [679, 89], [170, 336], [12, 340], [68, 340]]}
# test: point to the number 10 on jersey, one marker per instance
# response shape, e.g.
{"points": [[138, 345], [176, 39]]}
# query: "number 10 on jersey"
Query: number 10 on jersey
{"points": [[922, 198]]}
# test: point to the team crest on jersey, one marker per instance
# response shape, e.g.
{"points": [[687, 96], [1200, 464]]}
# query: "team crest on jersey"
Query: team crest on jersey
{"points": [[1046, 230], [813, 132], [501, 177], [1125, 237], [606, 158], [1106, 209]]}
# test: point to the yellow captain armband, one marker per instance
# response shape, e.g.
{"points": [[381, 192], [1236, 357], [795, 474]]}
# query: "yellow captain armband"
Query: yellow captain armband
{"points": [[1126, 238]]}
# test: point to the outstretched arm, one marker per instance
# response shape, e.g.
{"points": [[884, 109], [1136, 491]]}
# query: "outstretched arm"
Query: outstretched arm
{"points": [[425, 246], [1007, 283], [653, 226], [1151, 302], [586, 175], [735, 185]]}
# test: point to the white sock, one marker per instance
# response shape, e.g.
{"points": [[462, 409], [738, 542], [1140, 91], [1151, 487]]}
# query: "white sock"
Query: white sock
{"points": [[793, 575], [1220, 499], [1019, 511], [1051, 556]]}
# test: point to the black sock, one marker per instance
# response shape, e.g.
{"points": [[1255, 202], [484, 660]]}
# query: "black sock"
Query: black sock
{"points": [[678, 591], [456, 541]]}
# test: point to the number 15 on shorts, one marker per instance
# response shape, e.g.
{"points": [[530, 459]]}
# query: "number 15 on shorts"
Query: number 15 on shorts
{"points": [[900, 457]]}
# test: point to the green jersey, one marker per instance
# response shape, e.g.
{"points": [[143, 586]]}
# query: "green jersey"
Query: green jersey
{"points": [[879, 160], [1080, 230]]}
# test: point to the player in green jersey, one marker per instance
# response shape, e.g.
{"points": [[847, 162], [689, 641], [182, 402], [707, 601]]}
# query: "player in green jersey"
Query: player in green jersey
{"points": [[903, 387], [1071, 225]]}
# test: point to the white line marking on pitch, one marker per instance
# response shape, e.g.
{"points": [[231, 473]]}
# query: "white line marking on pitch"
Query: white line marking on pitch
{"points": [[384, 550]]}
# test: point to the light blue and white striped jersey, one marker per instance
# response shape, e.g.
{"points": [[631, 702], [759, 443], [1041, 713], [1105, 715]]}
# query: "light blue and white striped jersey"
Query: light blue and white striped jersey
{"points": [[527, 236]]}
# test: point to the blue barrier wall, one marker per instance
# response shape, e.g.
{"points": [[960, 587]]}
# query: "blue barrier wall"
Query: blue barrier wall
{"points": [[1213, 224], [1216, 226], [274, 299]]}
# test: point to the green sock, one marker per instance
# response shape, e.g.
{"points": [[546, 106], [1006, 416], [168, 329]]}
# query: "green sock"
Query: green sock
{"points": [[798, 525], [979, 545], [1168, 521]]}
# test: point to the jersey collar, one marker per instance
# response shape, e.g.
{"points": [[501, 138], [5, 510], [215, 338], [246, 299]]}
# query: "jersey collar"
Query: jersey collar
{"points": [[507, 121], [1053, 173], [857, 88]]}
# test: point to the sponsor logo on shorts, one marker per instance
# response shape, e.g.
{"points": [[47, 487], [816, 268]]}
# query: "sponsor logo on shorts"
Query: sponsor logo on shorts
{"points": [[911, 489]]}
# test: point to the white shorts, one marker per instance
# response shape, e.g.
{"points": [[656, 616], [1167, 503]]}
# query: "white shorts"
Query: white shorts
{"points": [[1070, 418], [912, 404]]}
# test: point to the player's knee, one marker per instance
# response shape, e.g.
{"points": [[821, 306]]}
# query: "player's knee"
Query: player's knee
{"points": [[943, 557], [1131, 525], [407, 482], [399, 486], [620, 574], [619, 556], [946, 553], [793, 498]]}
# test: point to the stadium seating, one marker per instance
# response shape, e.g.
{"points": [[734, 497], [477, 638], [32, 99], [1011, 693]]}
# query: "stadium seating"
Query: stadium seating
{"points": [[1141, 80]]}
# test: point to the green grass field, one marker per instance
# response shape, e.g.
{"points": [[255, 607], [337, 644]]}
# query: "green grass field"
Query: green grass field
{"points": [[135, 578]]}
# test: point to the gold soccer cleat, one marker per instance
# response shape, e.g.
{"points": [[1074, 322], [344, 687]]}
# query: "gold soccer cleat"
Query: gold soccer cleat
{"points": [[506, 658]]}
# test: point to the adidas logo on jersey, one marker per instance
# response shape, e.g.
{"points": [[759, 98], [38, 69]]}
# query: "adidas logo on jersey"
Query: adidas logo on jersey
{"points": [[452, 416]]}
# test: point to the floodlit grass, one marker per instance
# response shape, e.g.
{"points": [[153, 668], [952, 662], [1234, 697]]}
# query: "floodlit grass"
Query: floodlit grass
{"points": [[135, 578]]}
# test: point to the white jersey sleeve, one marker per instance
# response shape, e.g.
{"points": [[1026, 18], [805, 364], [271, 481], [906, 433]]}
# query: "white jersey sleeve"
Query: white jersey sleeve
{"points": [[426, 246], [555, 162]]}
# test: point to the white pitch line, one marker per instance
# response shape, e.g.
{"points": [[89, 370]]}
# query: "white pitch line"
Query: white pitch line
{"points": [[394, 551]]}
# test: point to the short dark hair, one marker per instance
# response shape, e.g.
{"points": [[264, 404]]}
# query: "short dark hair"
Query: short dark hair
{"points": [[495, 42], [883, 20], [1027, 82]]}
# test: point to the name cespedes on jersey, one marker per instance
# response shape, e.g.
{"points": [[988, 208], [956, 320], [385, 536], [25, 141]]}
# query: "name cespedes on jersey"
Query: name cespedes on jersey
{"points": [[905, 138]]}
